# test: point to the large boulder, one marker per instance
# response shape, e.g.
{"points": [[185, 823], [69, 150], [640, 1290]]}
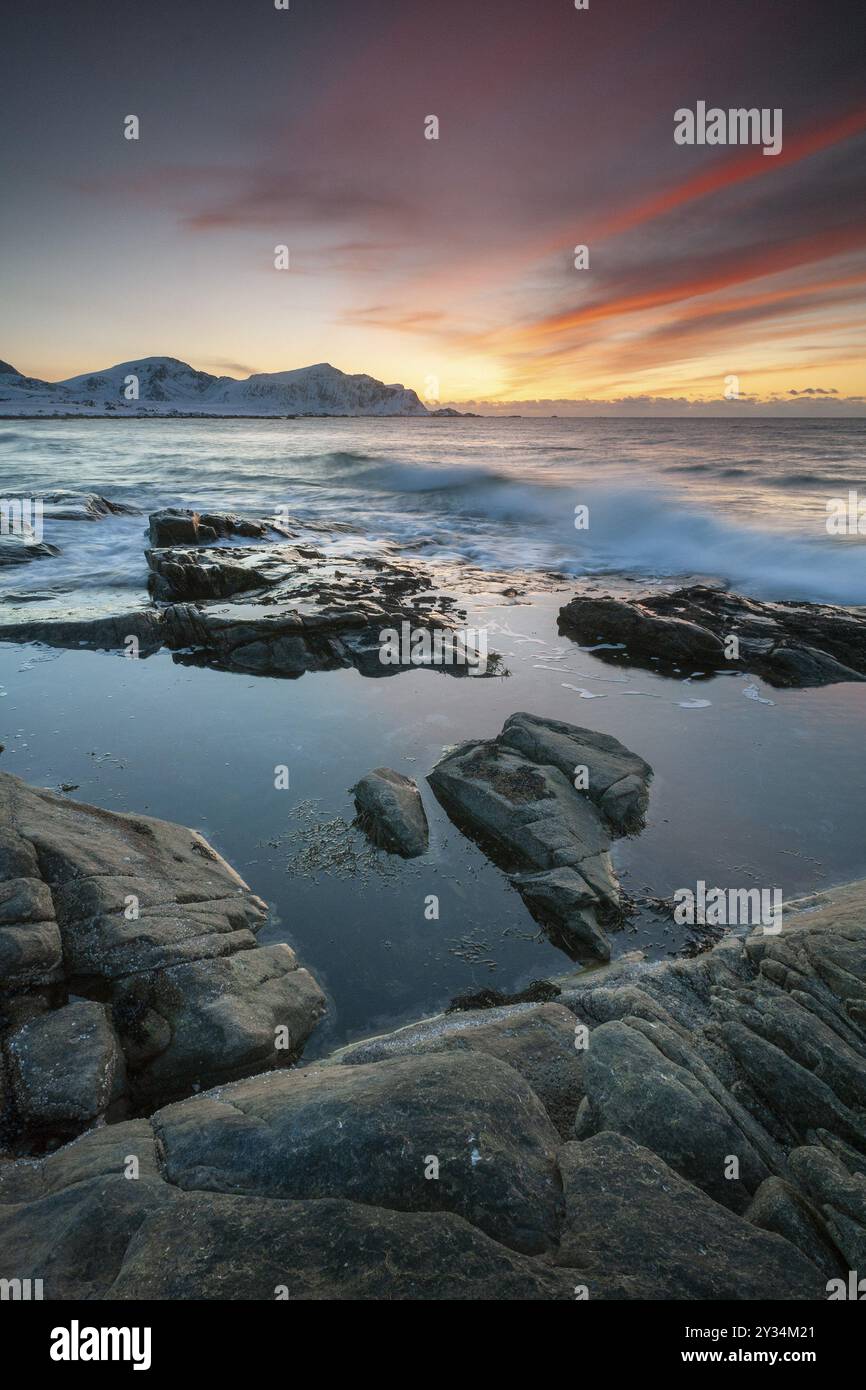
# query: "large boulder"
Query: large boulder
{"points": [[391, 812], [538, 1040], [156, 935], [459, 1132], [546, 798]]}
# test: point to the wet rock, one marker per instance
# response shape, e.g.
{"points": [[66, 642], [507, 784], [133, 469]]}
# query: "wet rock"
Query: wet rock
{"points": [[179, 526], [536, 992], [631, 1220], [184, 574], [391, 813], [82, 506], [294, 613], [20, 550], [517, 795], [785, 644], [109, 633], [369, 1132]]}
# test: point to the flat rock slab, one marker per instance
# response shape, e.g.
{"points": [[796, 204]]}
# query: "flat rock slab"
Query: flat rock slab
{"points": [[631, 1220], [155, 933], [370, 1132], [518, 796], [391, 812], [786, 644]]}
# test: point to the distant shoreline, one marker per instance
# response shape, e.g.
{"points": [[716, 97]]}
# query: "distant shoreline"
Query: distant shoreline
{"points": [[458, 415]]}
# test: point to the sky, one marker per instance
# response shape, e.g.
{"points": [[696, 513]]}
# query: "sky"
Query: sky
{"points": [[448, 264]]}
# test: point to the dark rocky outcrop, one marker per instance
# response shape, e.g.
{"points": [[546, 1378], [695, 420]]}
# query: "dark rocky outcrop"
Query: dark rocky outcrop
{"points": [[391, 813], [785, 644], [19, 542], [518, 795], [626, 1211], [684, 1130], [297, 611], [180, 526], [313, 1132], [130, 971]]}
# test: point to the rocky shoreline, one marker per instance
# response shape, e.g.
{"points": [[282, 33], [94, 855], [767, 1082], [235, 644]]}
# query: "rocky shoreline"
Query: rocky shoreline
{"points": [[688, 1130]]}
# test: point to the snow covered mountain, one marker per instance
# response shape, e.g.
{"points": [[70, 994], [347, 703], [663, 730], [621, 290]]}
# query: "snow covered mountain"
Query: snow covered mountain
{"points": [[165, 386]]}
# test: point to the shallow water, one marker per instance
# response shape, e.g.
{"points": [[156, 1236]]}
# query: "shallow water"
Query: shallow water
{"points": [[745, 794]]}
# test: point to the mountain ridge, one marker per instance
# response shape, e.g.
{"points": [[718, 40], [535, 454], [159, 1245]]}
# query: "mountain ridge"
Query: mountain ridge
{"points": [[167, 386]]}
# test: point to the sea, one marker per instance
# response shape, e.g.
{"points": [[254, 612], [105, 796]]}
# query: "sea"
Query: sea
{"points": [[753, 786]]}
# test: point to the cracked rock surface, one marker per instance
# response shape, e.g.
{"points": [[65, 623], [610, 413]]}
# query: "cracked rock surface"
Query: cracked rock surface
{"points": [[516, 794], [130, 970]]}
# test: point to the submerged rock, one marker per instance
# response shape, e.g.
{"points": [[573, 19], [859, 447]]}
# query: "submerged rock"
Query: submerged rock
{"points": [[785, 644], [82, 506], [391, 813], [155, 934], [20, 550], [518, 795]]}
